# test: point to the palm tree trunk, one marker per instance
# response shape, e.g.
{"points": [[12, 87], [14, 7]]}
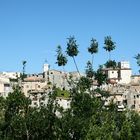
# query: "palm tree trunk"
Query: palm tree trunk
{"points": [[92, 60], [63, 78], [76, 65], [109, 55]]}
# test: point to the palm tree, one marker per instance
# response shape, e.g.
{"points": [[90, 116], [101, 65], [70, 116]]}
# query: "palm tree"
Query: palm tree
{"points": [[109, 45], [23, 69], [72, 50], [61, 60], [137, 57], [24, 65], [93, 48]]}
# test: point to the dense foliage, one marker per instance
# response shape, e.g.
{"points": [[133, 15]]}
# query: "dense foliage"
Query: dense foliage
{"points": [[93, 49], [111, 64], [86, 119], [61, 58], [109, 45]]}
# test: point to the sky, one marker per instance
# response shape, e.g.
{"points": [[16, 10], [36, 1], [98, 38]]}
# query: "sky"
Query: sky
{"points": [[32, 29]]}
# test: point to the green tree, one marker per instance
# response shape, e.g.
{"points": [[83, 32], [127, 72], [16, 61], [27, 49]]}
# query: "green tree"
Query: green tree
{"points": [[109, 45], [84, 84], [126, 130], [138, 59], [93, 49], [61, 61], [61, 58], [111, 64], [135, 127], [100, 76], [75, 120], [72, 50], [43, 123], [23, 75], [89, 70], [17, 106], [2, 109]]}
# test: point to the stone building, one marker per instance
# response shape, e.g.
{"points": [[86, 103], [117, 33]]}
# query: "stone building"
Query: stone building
{"points": [[135, 80], [124, 87], [119, 75], [34, 82], [5, 87], [125, 96]]}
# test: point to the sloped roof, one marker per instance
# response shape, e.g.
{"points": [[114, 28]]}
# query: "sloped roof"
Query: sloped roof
{"points": [[33, 79]]}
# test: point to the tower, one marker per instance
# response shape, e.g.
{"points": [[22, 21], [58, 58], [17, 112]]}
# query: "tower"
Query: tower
{"points": [[46, 67], [125, 72]]}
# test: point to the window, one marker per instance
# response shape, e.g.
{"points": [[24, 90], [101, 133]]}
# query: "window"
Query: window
{"points": [[134, 96], [41, 103], [125, 102], [133, 107], [35, 103], [134, 102], [119, 102], [35, 98]]}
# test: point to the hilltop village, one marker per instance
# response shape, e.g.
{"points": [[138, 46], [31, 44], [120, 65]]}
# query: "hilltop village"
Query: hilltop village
{"points": [[124, 88]]}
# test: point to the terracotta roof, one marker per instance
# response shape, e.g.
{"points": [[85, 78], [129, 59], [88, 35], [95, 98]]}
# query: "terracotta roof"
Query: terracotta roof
{"points": [[112, 81], [33, 79]]}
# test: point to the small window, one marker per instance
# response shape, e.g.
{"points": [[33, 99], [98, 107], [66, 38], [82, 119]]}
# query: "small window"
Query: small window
{"points": [[118, 102], [35, 103], [133, 106], [134, 96], [125, 102], [35, 98], [41, 103], [134, 102]]}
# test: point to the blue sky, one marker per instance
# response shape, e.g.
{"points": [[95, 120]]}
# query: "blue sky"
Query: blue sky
{"points": [[32, 29]]}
